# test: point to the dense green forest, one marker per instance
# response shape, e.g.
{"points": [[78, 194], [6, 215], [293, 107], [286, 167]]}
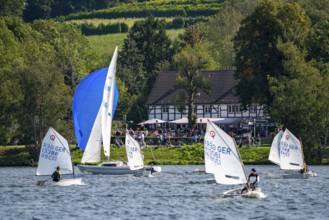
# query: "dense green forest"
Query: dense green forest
{"points": [[279, 50]]}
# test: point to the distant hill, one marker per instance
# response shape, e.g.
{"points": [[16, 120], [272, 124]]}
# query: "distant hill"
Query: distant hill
{"points": [[158, 8], [177, 13]]}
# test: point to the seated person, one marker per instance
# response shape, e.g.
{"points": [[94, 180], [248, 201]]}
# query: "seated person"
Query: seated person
{"points": [[56, 174], [252, 183]]}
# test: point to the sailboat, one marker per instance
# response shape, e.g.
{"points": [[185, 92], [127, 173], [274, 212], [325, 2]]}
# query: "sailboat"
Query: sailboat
{"points": [[292, 156], [274, 155], [136, 158], [94, 105], [210, 156], [55, 152], [224, 161]]}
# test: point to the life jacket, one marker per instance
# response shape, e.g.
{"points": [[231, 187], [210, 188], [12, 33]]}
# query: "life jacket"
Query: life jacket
{"points": [[253, 178], [56, 175]]}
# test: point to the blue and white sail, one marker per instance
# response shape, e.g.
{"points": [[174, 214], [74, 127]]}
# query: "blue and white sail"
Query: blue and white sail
{"points": [[54, 152], [87, 113], [223, 153], [107, 104], [211, 156], [274, 155], [291, 152], [134, 153]]}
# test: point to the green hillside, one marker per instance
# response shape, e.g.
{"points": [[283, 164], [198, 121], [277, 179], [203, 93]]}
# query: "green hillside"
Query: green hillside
{"points": [[104, 44], [159, 8]]}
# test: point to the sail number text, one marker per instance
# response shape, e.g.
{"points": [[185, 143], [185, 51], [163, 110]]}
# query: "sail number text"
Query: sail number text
{"points": [[50, 152], [285, 148], [214, 152]]}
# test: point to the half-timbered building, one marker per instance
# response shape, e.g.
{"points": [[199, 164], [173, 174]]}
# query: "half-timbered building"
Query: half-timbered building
{"points": [[221, 103]]}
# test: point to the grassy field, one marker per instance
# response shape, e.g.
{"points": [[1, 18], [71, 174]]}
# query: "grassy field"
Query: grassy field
{"points": [[188, 154], [104, 44]]}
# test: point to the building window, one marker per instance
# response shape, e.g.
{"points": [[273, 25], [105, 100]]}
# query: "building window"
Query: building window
{"points": [[253, 108], [207, 109], [165, 109], [233, 108]]}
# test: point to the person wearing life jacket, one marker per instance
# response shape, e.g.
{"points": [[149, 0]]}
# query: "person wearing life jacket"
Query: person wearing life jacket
{"points": [[253, 179], [56, 174], [252, 183]]}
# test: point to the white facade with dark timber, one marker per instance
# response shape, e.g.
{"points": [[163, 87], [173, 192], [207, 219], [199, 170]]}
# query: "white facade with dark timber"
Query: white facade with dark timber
{"points": [[221, 103]]}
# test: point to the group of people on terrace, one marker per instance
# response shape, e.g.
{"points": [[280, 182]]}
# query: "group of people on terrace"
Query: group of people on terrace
{"points": [[173, 137]]}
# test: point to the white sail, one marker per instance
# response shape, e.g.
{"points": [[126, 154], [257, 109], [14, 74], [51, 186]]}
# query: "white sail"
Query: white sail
{"points": [[211, 156], [291, 155], [222, 150], [107, 104], [92, 153], [54, 152], [134, 155], [274, 155]]}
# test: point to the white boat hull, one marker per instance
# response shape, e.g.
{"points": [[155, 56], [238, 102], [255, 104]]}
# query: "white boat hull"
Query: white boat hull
{"points": [[114, 170], [68, 182], [62, 182], [106, 170]]}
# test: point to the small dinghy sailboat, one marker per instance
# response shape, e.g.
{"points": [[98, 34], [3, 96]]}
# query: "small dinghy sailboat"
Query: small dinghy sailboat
{"points": [[287, 152], [55, 152], [224, 161], [135, 157]]}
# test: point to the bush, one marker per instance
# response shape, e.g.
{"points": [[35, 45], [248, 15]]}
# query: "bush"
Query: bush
{"points": [[102, 29]]}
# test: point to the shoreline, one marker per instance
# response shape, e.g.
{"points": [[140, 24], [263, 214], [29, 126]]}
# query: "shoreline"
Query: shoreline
{"points": [[18, 156]]}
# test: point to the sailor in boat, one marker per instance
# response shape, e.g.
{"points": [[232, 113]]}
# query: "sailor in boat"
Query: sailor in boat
{"points": [[252, 183], [56, 174]]}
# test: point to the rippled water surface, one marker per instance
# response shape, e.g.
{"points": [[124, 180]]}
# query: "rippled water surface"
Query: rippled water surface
{"points": [[176, 193]]}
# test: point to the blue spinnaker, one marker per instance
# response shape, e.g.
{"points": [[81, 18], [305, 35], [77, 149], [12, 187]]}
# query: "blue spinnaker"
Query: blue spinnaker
{"points": [[87, 101]]}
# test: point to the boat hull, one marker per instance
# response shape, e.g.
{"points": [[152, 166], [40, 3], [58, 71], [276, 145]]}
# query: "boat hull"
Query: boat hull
{"points": [[211, 181], [62, 182], [297, 176], [106, 170], [114, 170], [68, 182]]}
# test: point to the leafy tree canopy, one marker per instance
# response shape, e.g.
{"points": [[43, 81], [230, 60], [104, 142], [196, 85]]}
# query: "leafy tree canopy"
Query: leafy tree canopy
{"points": [[191, 60], [257, 55]]}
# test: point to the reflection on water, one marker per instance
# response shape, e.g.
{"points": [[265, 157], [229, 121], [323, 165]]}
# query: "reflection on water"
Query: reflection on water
{"points": [[176, 193]]}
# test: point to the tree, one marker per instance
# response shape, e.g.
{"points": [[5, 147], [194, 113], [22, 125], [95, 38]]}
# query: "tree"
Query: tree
{"points": [[300, 100], [317, 10], [148, 44], [73, 54], [12, 7], [10, 96], [46, 97], [190, 62], [145, 48], [193, 35], [34, 95], [37, 9], [318, 42], [221, 28], [257, 55]]}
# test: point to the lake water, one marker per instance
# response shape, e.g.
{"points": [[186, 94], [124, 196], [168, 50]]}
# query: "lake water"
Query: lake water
{"points": [[176, 193]]}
